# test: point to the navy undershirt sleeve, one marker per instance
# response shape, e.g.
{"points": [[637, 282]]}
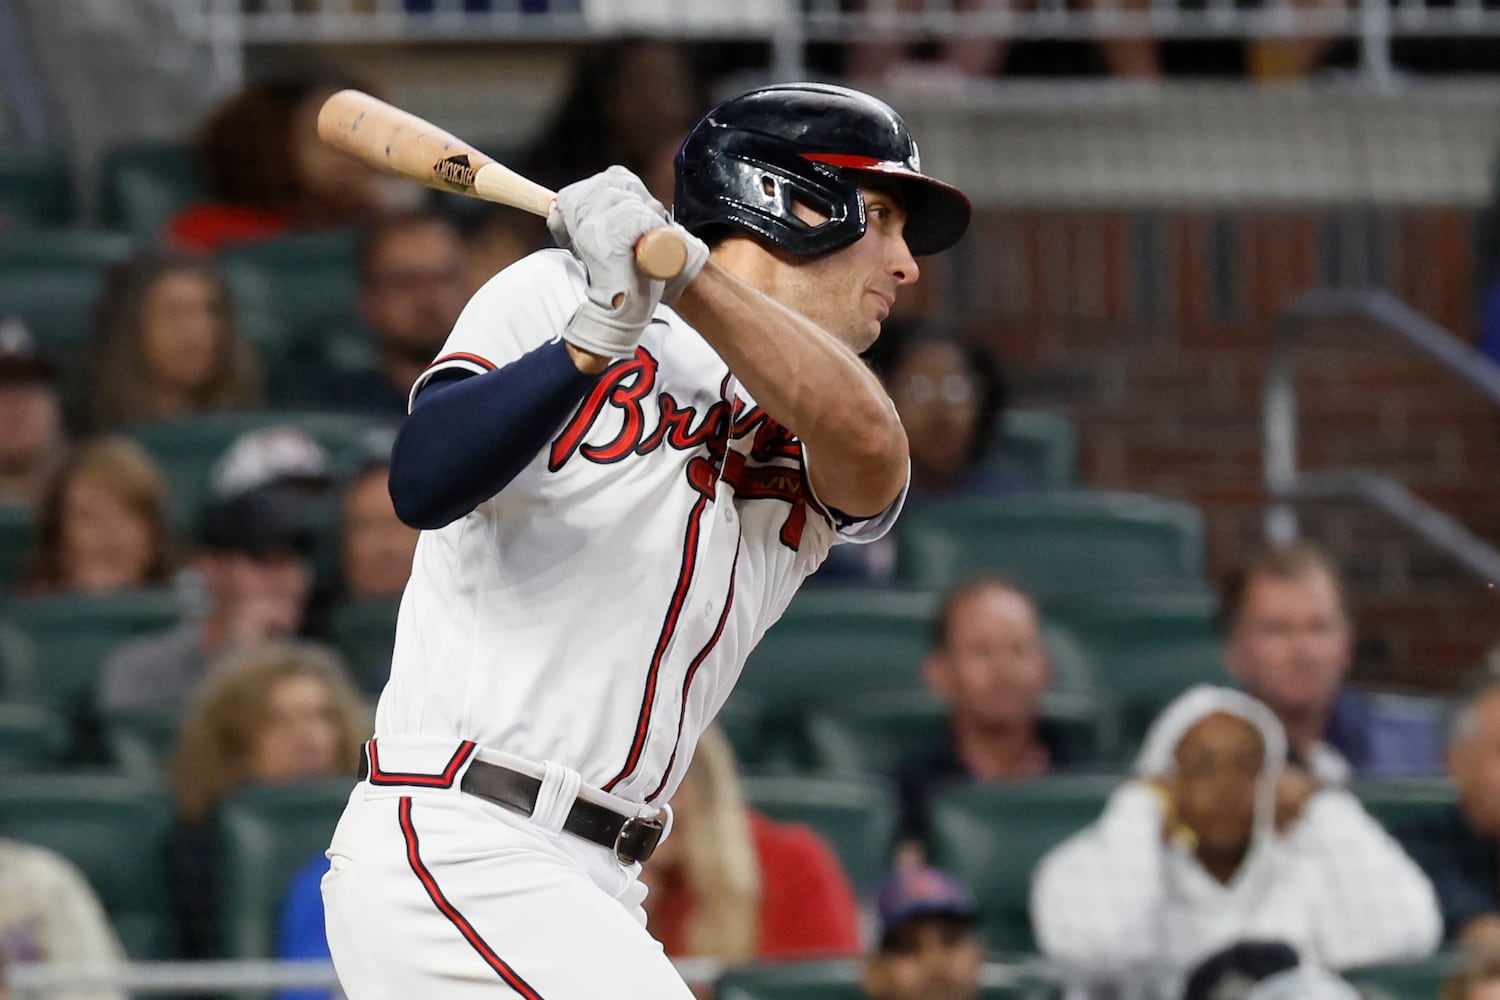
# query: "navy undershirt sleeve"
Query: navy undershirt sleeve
{"points": [[468, 437]]}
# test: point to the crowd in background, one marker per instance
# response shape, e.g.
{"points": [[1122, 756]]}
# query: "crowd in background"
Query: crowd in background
{"points": [[1231, 848]]}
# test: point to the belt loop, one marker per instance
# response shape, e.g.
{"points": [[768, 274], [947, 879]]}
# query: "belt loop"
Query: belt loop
{"points": [[556, 796]]}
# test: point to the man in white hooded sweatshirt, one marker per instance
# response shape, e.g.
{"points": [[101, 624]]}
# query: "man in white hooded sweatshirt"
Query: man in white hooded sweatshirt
{"points": [[1209, 846]]}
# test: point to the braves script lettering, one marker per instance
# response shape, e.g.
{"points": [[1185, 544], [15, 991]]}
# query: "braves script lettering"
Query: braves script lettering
{"points": [[629, 388]]}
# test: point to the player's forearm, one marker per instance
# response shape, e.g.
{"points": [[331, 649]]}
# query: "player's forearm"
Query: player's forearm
{"points": [[466, 440], [810, 382]]}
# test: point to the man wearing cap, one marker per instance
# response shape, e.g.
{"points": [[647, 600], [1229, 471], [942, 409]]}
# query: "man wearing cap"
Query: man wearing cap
{"points": [[927, 949], [31, 432], [255, 541]]}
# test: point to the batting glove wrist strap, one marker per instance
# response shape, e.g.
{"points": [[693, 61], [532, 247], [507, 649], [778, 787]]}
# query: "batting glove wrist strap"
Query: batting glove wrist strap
{"points": [[600, 219]]}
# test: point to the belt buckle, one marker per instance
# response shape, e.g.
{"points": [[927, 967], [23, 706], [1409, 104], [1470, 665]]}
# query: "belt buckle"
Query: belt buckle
{"points": [[640, 833]]}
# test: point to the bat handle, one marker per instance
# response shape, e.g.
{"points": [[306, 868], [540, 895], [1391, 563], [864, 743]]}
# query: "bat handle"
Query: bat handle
{"points": [[660, 254]]}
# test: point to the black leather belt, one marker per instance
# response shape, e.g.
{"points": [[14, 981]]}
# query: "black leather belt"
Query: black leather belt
{"points": [[632, 838]]}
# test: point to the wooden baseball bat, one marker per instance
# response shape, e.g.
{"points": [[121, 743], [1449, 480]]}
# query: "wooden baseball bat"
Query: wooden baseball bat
{"points": [[399, 142]]}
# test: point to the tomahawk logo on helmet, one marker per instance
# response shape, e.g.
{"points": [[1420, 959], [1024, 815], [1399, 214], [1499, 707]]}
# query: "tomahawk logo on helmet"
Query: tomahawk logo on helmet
{"points": [[751, 158]]}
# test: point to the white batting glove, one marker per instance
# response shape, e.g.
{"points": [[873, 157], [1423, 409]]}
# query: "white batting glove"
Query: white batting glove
{"points": [[600, 219]]}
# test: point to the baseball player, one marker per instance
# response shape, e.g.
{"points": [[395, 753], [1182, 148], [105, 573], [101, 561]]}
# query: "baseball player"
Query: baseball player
{"points": [[621, 484]]}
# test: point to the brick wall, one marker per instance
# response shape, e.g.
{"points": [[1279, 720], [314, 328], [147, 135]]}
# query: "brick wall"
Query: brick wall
{"points": [[1151, 331]]}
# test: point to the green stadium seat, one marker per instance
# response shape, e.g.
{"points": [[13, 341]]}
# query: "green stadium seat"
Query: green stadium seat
{"points": [[187, 449], [117, 832], [1145, 650], [36, 190], [364, 631], [840, 980], [1421, 980], [1401, 803], [15, 540], [991, 836], [872, 734], [140, 744], [32, 739], [142, 185], [1066, 543], [856, 817], [67, 637], [1036, 447], [51, 279], [266, 835], [287, 286], [831, 643]]}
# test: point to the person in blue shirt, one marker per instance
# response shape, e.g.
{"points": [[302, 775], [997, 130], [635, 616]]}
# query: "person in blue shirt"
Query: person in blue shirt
{"points": [[1460, 850], [300, 935], [1290, 642]]}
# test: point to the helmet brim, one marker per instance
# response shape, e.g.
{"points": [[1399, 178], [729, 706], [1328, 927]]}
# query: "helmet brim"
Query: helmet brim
{"points": [[937, 213]]}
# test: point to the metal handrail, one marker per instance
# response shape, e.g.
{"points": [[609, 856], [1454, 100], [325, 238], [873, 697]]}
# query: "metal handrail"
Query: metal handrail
{"points": [[1285, 484]]}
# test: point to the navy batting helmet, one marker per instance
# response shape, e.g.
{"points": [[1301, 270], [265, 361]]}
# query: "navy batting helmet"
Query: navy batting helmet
{"points": [[749, 158]]}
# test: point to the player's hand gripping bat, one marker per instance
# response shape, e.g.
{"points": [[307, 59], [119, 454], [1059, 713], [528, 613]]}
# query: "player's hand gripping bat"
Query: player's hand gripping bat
{"points": [[399, 142]]}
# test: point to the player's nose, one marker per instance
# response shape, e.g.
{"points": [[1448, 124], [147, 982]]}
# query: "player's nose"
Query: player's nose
{"points": [[903, 266]]}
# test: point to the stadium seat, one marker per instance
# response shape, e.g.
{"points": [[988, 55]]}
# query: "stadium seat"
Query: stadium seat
{"points": [[32, 739], [15, 540], [840, 980], [991, 837], [1145, 650], [1036, 447], [51, 279], [187, 449], [1401, 803], [872, 734], [117, 832], [142, 185], [36, 190], [856, 817], [140, 744], [364, 631], [287, 286], [67, 638], [265, 836], [1421, 980], [833, 642], [1065, 543]]}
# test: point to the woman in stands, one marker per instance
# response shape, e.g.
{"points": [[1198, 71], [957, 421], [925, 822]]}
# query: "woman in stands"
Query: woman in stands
{"points": [[165, 344], [267, 714], [732, 885], [102, 523], [268, 174]]}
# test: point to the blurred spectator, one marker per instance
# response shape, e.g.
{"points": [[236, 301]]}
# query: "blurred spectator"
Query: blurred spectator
{"points": [[951, 396], [50, 915], [1461, 851], [603, 120], [165, 344], [1263, 970], [102, 524], [268, 172], [376, 551], [302, 933], [271, 713], [32, 441], [411, 292], [1290, 642], [926, 948], [1215, 843], [730, 884], [254, 552], [495, 237], [1479, 979], [990, 667]]}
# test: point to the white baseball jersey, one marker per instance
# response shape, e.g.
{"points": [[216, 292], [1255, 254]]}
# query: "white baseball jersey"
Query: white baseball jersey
{"points": [[598, 610]]}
